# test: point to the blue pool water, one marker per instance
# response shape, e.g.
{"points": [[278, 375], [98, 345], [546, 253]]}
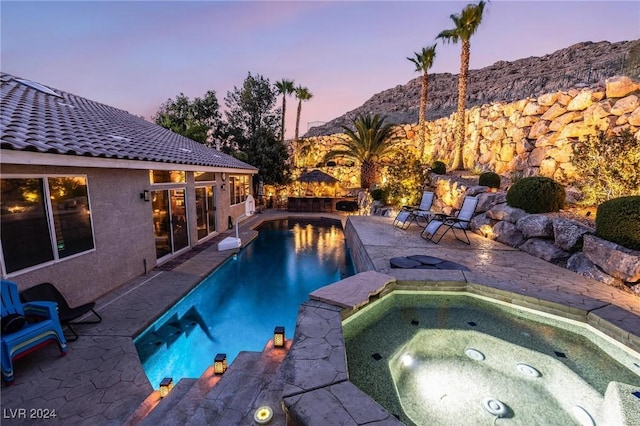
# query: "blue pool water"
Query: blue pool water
{"points": [[237, 307]]}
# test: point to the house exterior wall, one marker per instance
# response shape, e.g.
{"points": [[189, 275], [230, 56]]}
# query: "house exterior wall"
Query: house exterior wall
{"points": [[122, 229]]}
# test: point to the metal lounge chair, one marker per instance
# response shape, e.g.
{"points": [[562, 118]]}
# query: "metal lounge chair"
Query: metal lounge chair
{"points": [[26, 328], [459, 222], [67, 314], [410, 214]]}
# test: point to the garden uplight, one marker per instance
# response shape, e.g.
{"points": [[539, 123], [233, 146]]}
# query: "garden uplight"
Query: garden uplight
{"points": [[263, 415]]}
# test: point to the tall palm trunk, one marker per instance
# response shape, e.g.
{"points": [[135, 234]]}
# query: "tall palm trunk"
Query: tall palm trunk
{"points": [[284, 110], [367, 174], [422, 118], [458, 160]]}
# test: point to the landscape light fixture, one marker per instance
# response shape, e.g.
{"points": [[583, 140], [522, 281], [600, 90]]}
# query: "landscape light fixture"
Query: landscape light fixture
{"points": [[220, 364], [165, 386], [263, 415], [278, 337]]}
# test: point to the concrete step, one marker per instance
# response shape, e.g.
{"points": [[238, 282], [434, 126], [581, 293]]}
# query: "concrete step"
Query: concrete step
{"points": [[251, 381]]}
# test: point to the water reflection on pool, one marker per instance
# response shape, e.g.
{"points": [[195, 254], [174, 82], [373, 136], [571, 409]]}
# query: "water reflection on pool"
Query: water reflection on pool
{"points": [[237, 307]]}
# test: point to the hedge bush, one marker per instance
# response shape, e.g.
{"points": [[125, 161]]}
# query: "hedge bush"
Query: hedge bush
{"points": [[439, 168], [379, 194], [536, 195], [490, 179], [618, 221]]}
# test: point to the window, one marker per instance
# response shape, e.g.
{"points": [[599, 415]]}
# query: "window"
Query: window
{"points": [[44, 220], [204, 176], [239, 187], [167, 176], [205, 209]]}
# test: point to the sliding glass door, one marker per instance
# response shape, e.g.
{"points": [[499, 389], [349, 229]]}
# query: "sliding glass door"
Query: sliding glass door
{"points": [[169, 221], [205, 208]]}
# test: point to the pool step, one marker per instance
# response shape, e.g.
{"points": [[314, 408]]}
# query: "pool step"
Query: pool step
{"points": [[251, 381]]}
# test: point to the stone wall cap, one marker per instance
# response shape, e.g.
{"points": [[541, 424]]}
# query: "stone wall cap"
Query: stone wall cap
{"points": [[353, 291]]}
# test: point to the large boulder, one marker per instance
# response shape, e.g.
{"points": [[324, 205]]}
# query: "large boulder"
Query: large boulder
{"points": [[506, 213], [544, 249], [487, 200], [620, 86], [479, 223], [582, 265], [568, 234], [535, 225], [506, 233], [612, 258]]}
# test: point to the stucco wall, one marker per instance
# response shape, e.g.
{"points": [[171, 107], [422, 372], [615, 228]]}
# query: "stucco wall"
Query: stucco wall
{"points": [[123, 234]]}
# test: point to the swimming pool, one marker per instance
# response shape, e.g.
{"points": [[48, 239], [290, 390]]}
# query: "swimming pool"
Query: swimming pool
{"points": [[237, 307], [451, 359]]}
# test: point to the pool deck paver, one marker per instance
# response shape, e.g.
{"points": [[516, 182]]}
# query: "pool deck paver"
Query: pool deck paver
{"points": [[101, 381]]}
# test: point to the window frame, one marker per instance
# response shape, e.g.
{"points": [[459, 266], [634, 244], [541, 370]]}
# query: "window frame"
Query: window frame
{"points": [[50, 222]]}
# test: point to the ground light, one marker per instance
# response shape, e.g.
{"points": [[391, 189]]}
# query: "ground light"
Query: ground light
{"points": [[165, 386], [263, 415], [220, 364], [278, 337]]}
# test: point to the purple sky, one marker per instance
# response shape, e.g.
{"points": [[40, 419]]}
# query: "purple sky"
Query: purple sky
{"points": [[136, 55]]}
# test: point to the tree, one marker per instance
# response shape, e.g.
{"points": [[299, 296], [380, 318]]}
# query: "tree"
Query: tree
{"points": [[191, 119], [371, 140], [285, 87], [423, 61], [302, 94], [466, 25], [254, 127]]}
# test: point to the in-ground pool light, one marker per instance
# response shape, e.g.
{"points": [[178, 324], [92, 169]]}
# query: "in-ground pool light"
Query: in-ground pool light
{"points": [[278, 337], [165, 386], [220, 364]]}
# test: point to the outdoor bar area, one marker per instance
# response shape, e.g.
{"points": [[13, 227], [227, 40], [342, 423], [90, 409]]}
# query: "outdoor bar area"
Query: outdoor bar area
{"points": [[321, 195]]}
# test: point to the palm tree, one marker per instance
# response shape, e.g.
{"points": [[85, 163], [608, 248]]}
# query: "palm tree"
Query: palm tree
{"points": [[423, 61], [302, 94], [285, 87], [371, 140], [466, 25]]}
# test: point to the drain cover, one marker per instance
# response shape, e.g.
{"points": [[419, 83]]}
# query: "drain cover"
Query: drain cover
{"points": [[583, 416], [527, 370], [494, 407], [474, 354]]}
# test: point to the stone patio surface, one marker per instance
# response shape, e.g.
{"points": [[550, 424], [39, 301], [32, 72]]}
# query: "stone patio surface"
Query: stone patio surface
{"points": [[101, 381]]}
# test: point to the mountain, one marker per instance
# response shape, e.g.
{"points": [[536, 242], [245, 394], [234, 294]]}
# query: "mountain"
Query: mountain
{"points": [[580, 65]]}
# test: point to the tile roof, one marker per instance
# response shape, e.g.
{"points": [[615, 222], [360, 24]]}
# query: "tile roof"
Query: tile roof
{"points": [[31, 120]]}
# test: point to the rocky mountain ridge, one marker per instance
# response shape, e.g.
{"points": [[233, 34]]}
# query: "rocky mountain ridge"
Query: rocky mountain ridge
{"points": [[581, 65]]}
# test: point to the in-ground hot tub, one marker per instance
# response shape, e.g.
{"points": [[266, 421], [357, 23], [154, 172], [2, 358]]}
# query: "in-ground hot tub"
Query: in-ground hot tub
{"points": [[454, 358]]}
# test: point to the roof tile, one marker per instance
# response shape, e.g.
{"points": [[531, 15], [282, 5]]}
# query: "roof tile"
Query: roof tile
{"points": [[31, 120]]}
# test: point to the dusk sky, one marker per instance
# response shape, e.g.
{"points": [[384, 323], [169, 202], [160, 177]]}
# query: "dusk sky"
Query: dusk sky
{"points": [[136, 55]]}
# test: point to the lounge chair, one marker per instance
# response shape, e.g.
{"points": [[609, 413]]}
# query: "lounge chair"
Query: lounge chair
{"points": [[410, 214], [26, 328], [67, 314], [459, 222]]}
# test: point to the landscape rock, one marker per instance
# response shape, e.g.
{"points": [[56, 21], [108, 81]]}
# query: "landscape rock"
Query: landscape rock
{"points": [[506, 233], [488, 200], [479, 220], [620, 86], [506, 213], [568, 234], [535, 225], [544, 249], [612, 258], [582, 265]]}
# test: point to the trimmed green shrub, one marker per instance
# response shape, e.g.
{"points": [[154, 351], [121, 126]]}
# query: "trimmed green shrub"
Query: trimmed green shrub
{"points": [[379, 194], [536, 195], [439, 168], [618, 221], [490, 179]]}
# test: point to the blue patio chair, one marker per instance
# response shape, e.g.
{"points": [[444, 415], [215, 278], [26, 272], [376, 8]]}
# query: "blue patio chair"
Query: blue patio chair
{"points": [[409, 214], [459, 222], [26, 328]]}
